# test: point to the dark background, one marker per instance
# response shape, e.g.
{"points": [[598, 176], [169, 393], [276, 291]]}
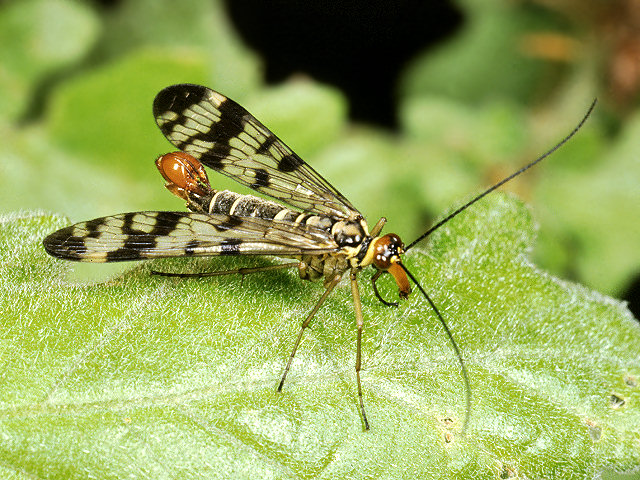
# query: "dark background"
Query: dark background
{"points": [[360, 47]]}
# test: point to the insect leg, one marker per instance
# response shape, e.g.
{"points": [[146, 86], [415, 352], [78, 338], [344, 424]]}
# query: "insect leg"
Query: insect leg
{"points": [[374, 279], [240, 271], [357, 306], [305, 324], [377, 228]]}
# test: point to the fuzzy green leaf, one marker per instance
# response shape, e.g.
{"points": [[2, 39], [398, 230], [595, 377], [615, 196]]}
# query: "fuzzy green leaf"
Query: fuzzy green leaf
{"points": [[145, 376]]}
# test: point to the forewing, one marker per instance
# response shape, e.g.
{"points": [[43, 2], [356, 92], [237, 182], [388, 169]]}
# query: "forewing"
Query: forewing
{"points": [[139, 235], [224, 136]]}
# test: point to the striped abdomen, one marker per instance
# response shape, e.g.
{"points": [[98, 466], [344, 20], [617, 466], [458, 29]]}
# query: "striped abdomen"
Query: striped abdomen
{"points": [[232, 203], [187, 179]]}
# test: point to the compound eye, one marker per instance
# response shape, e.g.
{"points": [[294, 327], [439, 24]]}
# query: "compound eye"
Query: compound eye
{"points": [[381, 257], [386, 250]]}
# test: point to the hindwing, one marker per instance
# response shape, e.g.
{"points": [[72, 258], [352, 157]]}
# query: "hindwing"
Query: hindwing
{"points": [[138, 235]]}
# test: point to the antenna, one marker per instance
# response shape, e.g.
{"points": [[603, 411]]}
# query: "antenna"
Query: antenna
{"points": [[505, 180]]}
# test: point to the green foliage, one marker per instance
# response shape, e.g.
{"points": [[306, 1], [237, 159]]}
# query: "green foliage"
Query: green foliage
{"points": [[97, 375], [114, 375], [472, 66], [39, 37]]}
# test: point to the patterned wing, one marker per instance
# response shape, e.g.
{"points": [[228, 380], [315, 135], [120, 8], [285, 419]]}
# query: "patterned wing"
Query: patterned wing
{"points": [[224, 136], [138, 235]]}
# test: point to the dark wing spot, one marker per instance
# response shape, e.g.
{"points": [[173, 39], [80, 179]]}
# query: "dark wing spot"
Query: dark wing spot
{"points": [[122, 254], [229, 224], [178, 98], [262, 179], [135, 247], [190, 248], [230, 247], [92, 227], [289, 163], [212, 158], [166, 222], [230, 124], [63, 244], [127, 228], [263, 149]]}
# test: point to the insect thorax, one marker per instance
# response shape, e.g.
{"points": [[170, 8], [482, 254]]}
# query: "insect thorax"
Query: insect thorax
{"points": [[350, 235]]}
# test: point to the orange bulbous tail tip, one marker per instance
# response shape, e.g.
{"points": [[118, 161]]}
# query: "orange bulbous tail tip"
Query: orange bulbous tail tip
{"points": [[183, 173]]}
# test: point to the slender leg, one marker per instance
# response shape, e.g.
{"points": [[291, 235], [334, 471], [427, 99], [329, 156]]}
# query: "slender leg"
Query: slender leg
{"points": [[240, 271], [357, 306], [305, 324]]}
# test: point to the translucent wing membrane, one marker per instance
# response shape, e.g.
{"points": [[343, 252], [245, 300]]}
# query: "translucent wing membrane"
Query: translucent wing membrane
{"points": [[138, 235], [225, 137]]}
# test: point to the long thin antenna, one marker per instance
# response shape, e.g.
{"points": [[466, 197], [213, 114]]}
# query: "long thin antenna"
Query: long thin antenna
{"points": [[505, 180], [463, 368]]}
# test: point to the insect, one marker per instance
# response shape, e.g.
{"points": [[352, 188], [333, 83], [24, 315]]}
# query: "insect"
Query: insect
{"points": [[315, 225]]}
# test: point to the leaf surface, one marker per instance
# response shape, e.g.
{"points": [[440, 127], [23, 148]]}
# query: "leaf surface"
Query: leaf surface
{"points": [[153, 376]]}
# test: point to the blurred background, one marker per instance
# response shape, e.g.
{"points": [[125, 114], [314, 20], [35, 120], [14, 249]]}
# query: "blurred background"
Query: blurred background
{"points": [[408, 108]]}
